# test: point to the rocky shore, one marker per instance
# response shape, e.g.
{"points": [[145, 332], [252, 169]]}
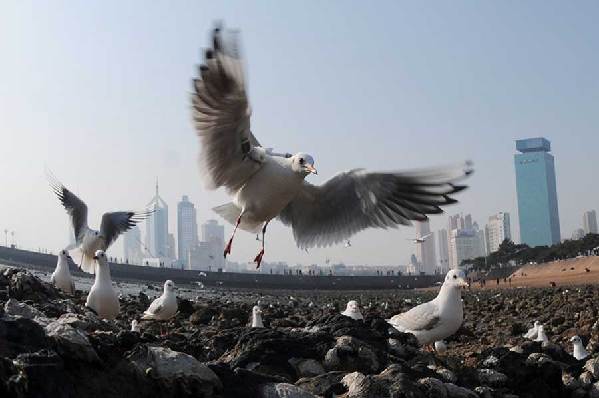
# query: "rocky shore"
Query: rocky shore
{"points": [[52, 346]]}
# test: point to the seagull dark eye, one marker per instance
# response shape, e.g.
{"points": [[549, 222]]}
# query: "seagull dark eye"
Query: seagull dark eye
{"points": [[455, 277], [302, 161]]}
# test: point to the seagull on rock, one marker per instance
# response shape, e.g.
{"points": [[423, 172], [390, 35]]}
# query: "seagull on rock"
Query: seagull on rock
{"points": [[541, 335], [61, 277], [164, 307], [533, 331], [89, 240], [102, 298], [266, 185], [439, 318], [352, 310], [257, 317], [135, 326], [579, 351]]}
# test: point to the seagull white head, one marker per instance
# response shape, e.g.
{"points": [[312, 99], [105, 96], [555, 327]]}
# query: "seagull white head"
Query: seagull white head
{"points": [[63, 255], [169, 286], [257, 317], [579, 352], [101, 257], [455, 278], [303, 164], [352, 306]]}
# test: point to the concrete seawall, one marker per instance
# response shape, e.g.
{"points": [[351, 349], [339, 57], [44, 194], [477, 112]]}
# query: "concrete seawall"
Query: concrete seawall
{"points": [[47, 262]]}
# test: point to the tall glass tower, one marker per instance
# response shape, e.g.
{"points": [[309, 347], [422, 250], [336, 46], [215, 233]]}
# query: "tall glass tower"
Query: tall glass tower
{"points": [[537, 195]]}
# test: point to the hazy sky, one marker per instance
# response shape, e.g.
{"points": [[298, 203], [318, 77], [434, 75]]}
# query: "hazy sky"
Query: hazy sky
{"points": [[99, 92]]}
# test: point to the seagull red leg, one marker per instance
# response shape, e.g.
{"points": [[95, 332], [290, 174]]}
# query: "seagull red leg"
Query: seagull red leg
{"points": [[258, 259], [228, 247]]}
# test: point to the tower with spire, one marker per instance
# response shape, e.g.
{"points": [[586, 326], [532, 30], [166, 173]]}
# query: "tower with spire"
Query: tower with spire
{"points": [[157, 242]]}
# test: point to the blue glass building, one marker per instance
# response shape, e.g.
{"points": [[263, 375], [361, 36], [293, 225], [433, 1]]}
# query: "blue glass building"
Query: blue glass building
{"points": [[537, 195]]}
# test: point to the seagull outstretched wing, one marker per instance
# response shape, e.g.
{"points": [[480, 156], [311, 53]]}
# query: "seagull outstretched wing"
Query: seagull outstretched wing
{"points": [[221, 112], [355, 200], [75, 207], [115, 223]]}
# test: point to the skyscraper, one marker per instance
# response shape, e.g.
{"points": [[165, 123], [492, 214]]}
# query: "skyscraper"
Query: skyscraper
{"points": [[589, 222], [464, 240], [187, 229], [132, 245], [443, 250], [208, 253], [537, 195], [497, 230], [157, 227], [425, 251]]}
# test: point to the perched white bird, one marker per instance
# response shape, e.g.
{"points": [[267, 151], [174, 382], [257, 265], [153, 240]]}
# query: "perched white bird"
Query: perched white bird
{"points": [[135, 326], [257, 317], [102, 298], [352, 310], [61, 277], [265, 185], [164, 307], [541, 336], [89, 240], [579, 352], [440, 347], [533, 331], [436, 319]]}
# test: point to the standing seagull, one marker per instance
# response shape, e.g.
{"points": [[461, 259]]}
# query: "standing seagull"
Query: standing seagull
{"points": [[579, 352], [87, 239], [102, 298], [165, 306], [439, 318], [265, 185], [533, 331], [352, 310], [257, 317], [61, 277]]}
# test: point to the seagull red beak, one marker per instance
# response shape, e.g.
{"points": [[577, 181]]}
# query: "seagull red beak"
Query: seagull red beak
{"points": [[311, 169]]}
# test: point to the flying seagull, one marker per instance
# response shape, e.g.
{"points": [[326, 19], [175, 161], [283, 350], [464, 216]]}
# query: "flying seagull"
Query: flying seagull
{"points": [[421, 239], [265, 185], [89, 240]]}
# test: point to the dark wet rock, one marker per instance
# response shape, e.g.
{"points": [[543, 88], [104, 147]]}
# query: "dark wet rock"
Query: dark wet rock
{"points": [[389, 383], [306, 367], [490, 377], [70, 342], [325, 384], [175, 372], [433, 387], [24, 286], [351, 354], [283, 390], [241, 382], [454, 391], [20, 335], [270, 349]]}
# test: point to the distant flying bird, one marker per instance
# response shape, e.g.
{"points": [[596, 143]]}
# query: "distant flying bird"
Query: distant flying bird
{"points": [[348, 244], [421, 239], [266, 185], [439, 318], [89, 240], [61, 277], [102, 298]]}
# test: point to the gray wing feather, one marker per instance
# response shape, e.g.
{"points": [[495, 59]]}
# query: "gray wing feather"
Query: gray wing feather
{"points": [[74, 206], [221, 113], [115, 223], [422, 317], [355, 200]]}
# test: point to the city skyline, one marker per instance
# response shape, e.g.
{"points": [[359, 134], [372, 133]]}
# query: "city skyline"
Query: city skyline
{"points": [[432, 99]]}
